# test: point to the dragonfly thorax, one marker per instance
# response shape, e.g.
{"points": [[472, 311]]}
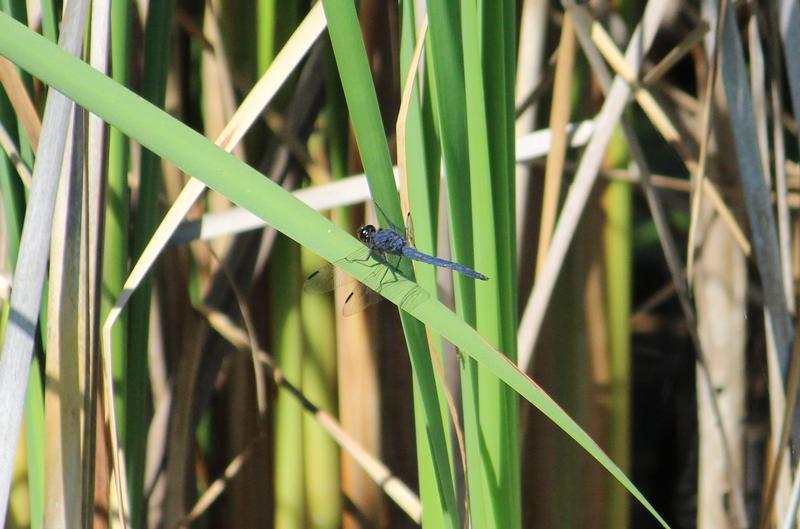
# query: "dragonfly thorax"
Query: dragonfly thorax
{"points": [[380, 240]]}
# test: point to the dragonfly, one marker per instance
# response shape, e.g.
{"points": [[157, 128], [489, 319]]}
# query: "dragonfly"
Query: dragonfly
{"points": [[381, 244]]}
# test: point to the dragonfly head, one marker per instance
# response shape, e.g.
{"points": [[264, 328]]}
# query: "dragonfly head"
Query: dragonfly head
{"points": [[365, 233]]}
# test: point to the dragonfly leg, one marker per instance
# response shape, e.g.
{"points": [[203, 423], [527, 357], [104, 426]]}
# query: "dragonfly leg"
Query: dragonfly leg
{"points": [[378, 256], [391, 268], [388, 267]]}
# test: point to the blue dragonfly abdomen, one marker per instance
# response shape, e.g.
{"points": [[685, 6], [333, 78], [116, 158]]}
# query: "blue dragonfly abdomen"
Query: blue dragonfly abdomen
{"points": [[413, 253], [389, 241]]}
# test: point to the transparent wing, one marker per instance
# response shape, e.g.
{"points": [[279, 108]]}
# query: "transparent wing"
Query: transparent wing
{"points": [[325, 279], [328, 278], [410, 229], [388, 273], [388, 224], [358, 296]]}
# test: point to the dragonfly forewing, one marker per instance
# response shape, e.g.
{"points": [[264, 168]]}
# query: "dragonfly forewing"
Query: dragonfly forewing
{"points": [[325, 280], [359, 298], [330, 277], [357, 295]]}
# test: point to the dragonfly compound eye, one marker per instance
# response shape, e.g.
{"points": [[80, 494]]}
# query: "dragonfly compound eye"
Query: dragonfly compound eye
{"points": [[365, 233]]}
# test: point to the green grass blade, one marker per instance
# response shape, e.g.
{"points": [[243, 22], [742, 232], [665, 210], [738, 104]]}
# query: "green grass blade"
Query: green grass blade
{"points": [[322, 465], [423, 192], [289, 350], [34, 437], [359, 92], [158, 34], [115, 237], [446, 69], [489, 407]]}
